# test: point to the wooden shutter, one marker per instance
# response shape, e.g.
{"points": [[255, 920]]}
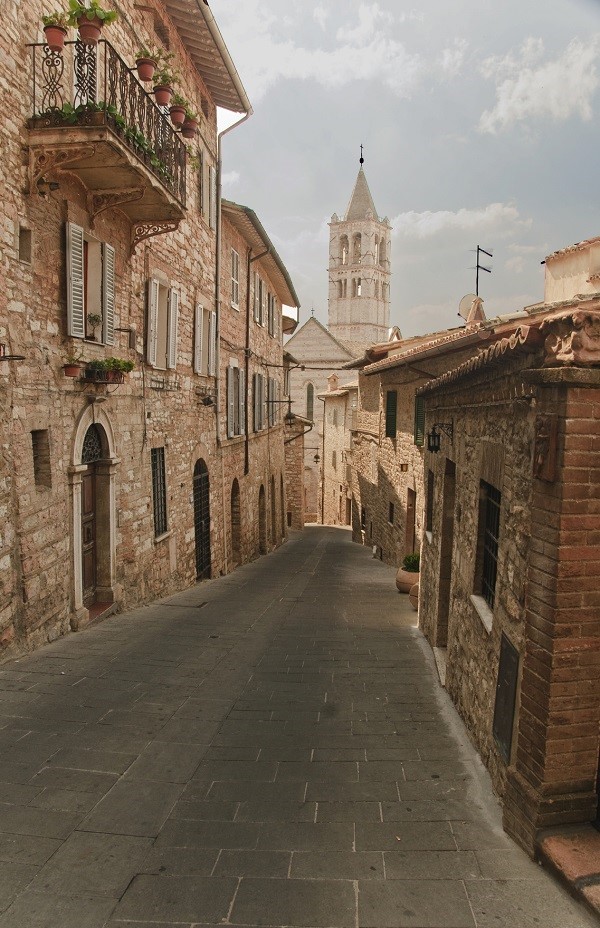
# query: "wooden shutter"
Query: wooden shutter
{"points": [[230, 402], [212, 181], [198, 319], [256, 303], [263, 304], [419, 435], [172, 326], [75, 283], [201, 181], [152, 325], [212, 343], [108, 294], [391, 402], [242, 402], [235, 278]]}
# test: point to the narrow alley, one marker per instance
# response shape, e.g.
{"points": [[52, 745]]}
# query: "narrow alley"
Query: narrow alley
{"points": [[268, 749]]}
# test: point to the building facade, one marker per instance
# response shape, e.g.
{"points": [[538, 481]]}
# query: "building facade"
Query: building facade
{"points": [[113, 481], [511, 551], [339, 423]]}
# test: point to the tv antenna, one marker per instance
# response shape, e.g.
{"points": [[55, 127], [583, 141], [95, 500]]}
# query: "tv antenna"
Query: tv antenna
{"points": [[481, 267]]}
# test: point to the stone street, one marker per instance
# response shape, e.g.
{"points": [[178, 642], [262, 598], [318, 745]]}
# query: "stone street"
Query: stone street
{"points": [[268, 749]]}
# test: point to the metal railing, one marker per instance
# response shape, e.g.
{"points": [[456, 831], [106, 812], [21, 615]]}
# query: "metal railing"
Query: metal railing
{"points": [[91, 85]]}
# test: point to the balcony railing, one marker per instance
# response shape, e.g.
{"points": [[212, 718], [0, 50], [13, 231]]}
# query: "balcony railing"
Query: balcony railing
{"points": [[91, 85]]}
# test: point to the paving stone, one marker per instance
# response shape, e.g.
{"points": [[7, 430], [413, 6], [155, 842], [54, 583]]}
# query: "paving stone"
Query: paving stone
{"points": [[476, 836], [429, 810], [349, 812], [342, 865], [166, 761], [412, 836], [133, 808], [267, 810], [175, 861], [14, 877], [304, 836], [414, 904], [26, 820], [84, 781], [205, 811], [97, 761], [247, 791], [27, 849], [351, 792], [295, 902], [273, 864], [40, 910], [180, 833], [431, 865], [64, 800], [186, 898], [512, 864], [525, 903], [237, 770]]}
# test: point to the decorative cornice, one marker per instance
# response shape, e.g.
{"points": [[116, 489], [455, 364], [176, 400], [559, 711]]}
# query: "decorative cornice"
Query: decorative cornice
{"points": [[573, 339]]}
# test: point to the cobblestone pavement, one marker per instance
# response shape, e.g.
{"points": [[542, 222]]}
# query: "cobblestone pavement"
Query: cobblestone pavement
{"points": [[271, 748]]}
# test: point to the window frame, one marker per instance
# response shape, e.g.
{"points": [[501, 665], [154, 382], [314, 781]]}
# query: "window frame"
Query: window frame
{"points": [[159, 491], [235, 279], [391, 414]]}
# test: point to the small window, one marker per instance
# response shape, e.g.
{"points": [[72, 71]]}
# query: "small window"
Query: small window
{"points": [[334, 459], [159, 490], [236, 400], [162, 326], [25, 240], [310, 401], [259, 401], [359, 287], [42, 473], [429, 502], [391, 514], [286, 381], [419, 430], [205, 322], [391, 405], [272, 314], [363, 517], [90, 286], [486, 569], [235, 279]]}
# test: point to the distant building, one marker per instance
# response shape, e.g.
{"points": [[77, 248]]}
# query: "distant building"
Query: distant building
{"points": [[339, 420]]}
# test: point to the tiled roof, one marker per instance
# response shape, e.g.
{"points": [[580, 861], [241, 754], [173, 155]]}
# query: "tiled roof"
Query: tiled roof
{"points": [[578, 246], [431, 344]]}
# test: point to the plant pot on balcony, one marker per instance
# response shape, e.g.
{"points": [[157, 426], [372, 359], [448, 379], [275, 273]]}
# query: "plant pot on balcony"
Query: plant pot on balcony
{"points": [[55, 37], [145, 68], [90, 30], [177, 115], [163, 94], [189, 127], [71, 370]]}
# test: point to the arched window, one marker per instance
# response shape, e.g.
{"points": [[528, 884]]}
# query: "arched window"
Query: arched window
{"points": [[376, 289], [340, 289], [357, 241], [310, 401], [359, 287], [382, 251], [344, 249], [345, 288]]}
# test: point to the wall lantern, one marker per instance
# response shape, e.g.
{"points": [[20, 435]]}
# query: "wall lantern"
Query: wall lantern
{"points": [[434, 438], [317, 458]]}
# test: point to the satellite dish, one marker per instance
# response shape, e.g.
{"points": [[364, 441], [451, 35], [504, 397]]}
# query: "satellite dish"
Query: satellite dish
{"points": [[464, 307]]}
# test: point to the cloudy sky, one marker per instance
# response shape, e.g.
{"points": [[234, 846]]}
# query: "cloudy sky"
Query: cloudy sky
{"points": [[480, 125]]}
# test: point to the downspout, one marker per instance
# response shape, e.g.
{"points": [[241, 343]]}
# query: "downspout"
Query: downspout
{"points": [[247, 356]]}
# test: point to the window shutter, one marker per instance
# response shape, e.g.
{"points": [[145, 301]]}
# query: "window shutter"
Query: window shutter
{"points": [[265, 407], [263, 304], [212, 183], [198, 314], [256, 304], [242, 402], [108, 294], [173, 321], [419, 420], [201, 181], [75, 272], [152, 329], [391, 399], [212, 344], [230, 402]]}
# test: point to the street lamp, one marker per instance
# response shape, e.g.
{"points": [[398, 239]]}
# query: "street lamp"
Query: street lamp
{"points": [[434, 438]]}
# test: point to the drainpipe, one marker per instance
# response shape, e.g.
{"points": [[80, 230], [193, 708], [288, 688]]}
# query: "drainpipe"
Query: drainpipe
{"points": [[247, 355]]}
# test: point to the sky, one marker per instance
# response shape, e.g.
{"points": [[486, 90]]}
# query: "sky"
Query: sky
{"points": [[480, 125]]}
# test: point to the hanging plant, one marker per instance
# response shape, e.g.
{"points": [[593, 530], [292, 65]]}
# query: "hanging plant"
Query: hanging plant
{"points": [[163, 86], [89, 19], [178, 109], [146, 60], [55, 30], [190, 124]]}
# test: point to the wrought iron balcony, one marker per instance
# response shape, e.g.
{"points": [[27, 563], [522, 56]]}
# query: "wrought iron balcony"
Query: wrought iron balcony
{"points": [[92, 117]]}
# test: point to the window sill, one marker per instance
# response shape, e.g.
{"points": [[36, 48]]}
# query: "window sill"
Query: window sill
{"points": [[163, 537], [484, 612]]}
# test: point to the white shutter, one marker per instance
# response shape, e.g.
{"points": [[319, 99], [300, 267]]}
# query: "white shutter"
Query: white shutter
{"points": [[256, 297], [75, 291], [172, 323], [152, 327], [198, 319], [108, 294], [278, 407], [229, 402], [212, 344], [212, 180], [242, 402]]}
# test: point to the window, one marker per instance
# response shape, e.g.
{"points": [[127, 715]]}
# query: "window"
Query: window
{"points": [[334, 460], [429, 502], [236, 400], [212, 198], [42, 473], [163, 321], [310, 401], [159, 490], [344, 249], [486, 569], [205, 326], [90, 286], [286, 381], [376, 289], [263, 303], [391, 514], [345, 288], [272, 314], [273, 405], [25, 244], [357, 256], [335, 418], [201, 183], [419, 429], [391, 404], [259, 402], [235, 279], [363, 518]]}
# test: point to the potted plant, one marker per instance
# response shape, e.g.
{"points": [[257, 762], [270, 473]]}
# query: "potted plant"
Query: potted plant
{"points": [[89, 19], [55, 30], [408, 574], [72, 365], [146, 60], [95, 321], [163, 85], [190, 124], [117, 368], [178, 109]]}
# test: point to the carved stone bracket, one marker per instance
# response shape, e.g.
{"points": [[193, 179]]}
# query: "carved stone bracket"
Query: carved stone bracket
{"points": [[99, 200], [142, 230], [48, 160], [545, 447], [575, 340]]}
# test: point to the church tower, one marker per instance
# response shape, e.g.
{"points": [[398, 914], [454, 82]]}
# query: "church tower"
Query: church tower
{"points": [[359, 270]]}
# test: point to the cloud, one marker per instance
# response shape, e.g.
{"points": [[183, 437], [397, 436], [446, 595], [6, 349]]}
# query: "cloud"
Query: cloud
{"points": [[528, 88], [230, 178], [321, 15], [515, 264], [369, 18], [428, 223], [452, 59]]}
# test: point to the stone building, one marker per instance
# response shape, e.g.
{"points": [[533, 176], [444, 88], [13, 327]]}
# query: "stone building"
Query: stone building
{"points": [[116, 487], [510, 560], [339, 421], [358, 316]]}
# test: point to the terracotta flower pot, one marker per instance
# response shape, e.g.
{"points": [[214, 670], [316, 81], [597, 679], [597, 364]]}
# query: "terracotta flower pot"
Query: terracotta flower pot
{"points": [[90, 30], [71, 370], [405, 579], [145, 68], [177, 115], [55, 37], [163, 94]]}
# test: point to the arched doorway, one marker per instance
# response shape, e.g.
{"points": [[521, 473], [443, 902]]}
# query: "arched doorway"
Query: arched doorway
{"points": [[95, 518], [236, 525], [262, 522], [202, 519], [273, 513]]}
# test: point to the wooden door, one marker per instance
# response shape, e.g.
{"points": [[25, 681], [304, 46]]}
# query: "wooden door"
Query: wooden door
{"points": [[88, 535], [411, 501], [202, 520]]}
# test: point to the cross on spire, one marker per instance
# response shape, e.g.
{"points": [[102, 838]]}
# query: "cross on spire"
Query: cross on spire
{"points": [[362, 160]]}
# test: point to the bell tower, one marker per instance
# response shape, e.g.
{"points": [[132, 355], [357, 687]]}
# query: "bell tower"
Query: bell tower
{"points": [[359, 270]]}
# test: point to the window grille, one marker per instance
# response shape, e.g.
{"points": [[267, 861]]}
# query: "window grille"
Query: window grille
{"points": [[419, 432], [491, 529], [92, 446], [159, 490]]}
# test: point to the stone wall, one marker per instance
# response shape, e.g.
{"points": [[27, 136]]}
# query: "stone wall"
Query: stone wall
{"points": [[294, 470], [337, 450]]}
